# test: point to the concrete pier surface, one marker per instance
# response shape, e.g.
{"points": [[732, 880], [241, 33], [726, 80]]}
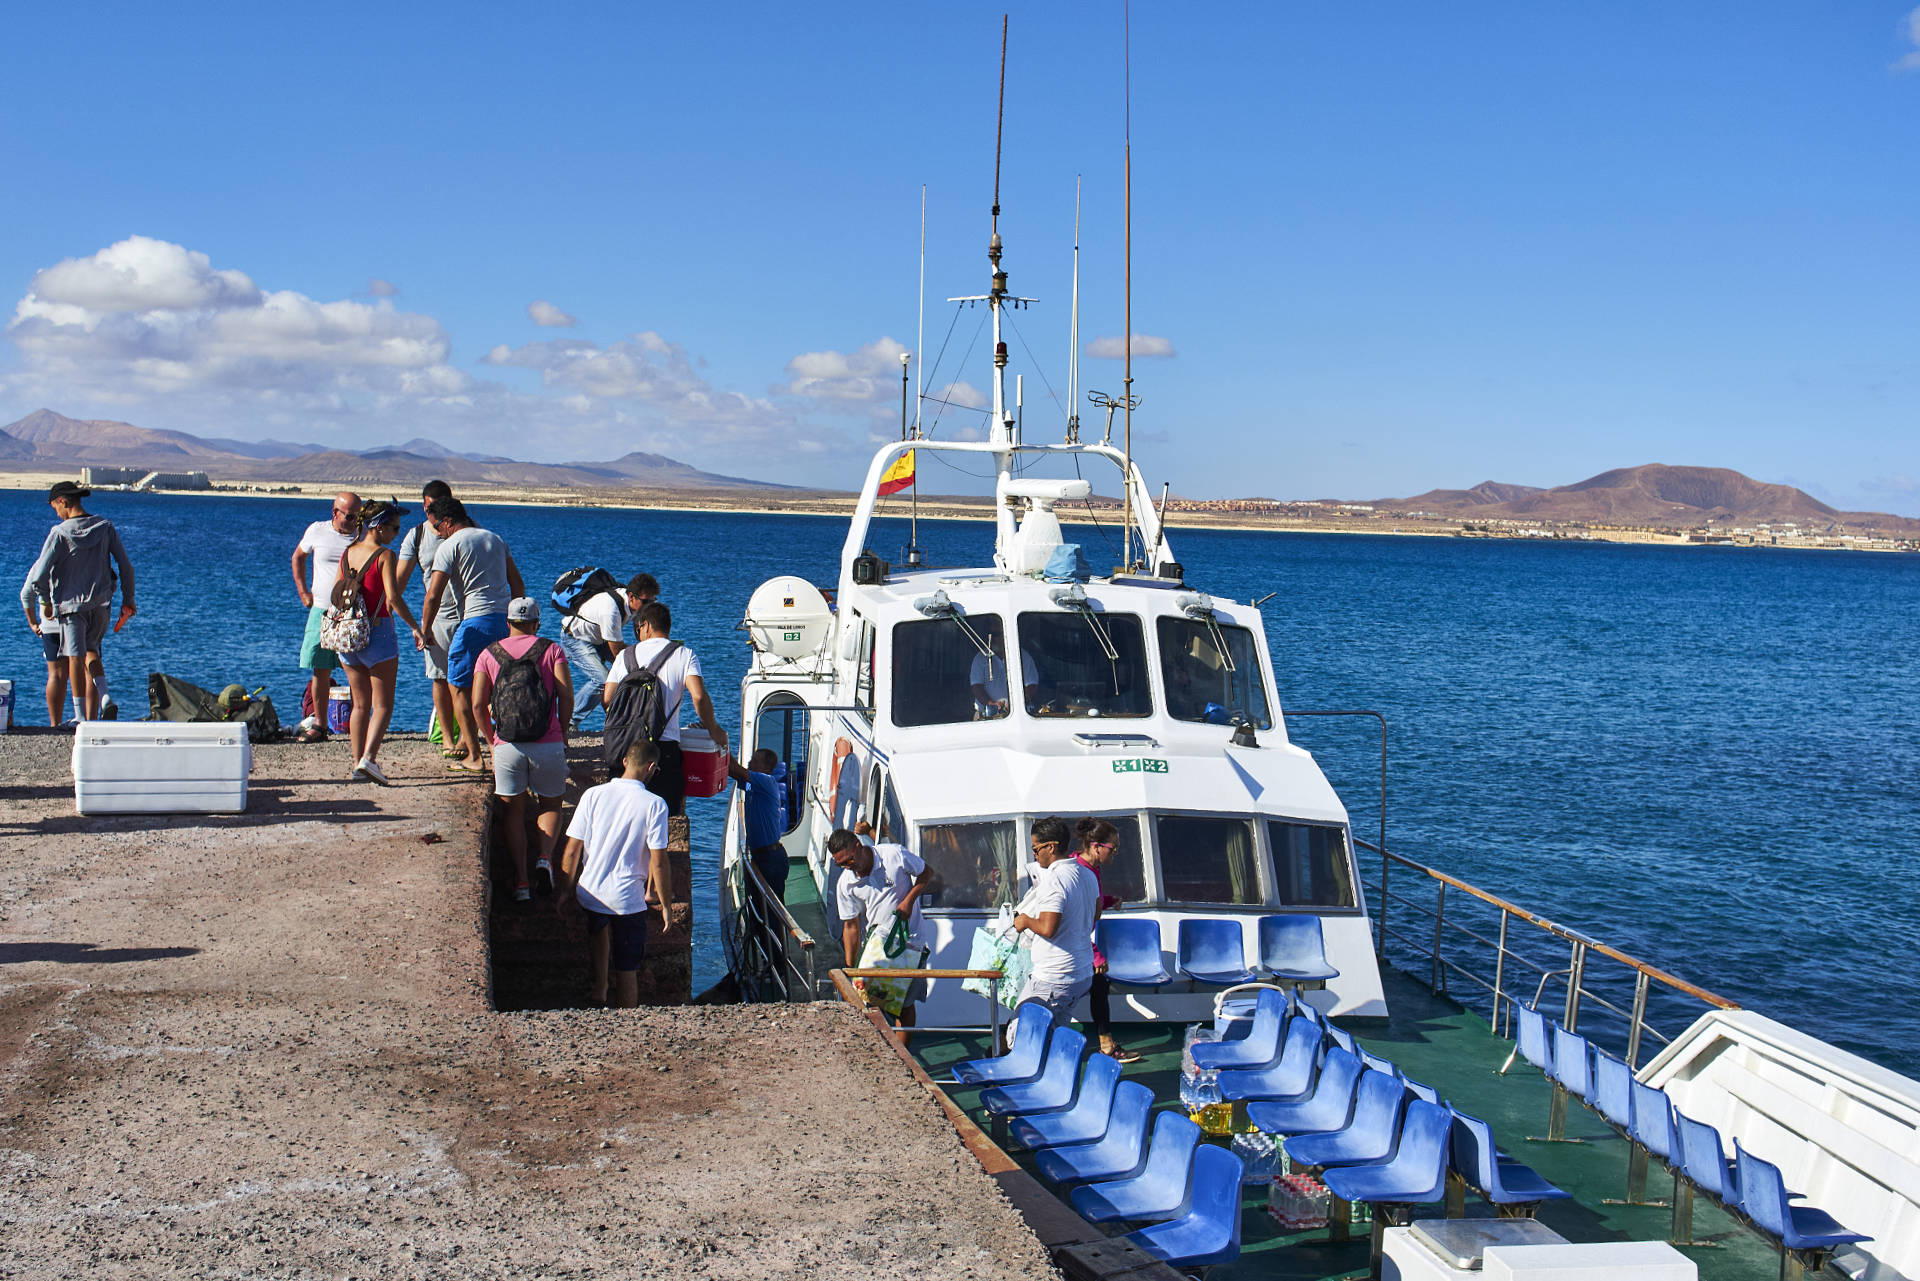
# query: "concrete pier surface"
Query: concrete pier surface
{"points": [[261, 1045]]}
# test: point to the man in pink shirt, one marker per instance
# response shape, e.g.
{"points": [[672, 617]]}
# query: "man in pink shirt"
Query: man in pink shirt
{"points": [[522, 698]]}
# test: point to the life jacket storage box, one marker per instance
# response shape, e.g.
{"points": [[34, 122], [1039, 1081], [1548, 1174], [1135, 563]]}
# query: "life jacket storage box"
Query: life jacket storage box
{"points": [[704, 762], [160, 767]]}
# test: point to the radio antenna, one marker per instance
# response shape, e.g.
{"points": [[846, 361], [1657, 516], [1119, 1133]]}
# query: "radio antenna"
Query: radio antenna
{"points": [[1126, 392], [920, 337], [1073, 330]]}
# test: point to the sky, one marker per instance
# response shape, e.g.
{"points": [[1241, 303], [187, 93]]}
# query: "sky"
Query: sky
{"points": [[1378, 248]]}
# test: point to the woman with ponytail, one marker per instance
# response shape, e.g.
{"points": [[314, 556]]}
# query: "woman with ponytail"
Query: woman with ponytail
{"points": [[1058, 911], [370, 565], [1098, 839]]}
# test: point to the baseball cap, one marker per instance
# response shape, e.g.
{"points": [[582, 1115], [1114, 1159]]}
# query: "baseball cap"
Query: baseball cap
{"points": [[523, 609], [67, 489]]}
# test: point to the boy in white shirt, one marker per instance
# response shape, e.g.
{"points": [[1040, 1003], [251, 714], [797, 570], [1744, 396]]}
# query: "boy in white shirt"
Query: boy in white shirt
{"points": [[616, 860]]}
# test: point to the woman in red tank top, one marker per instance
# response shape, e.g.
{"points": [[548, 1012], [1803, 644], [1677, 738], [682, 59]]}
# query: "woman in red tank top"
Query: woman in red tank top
{"points": [[371, 671]]}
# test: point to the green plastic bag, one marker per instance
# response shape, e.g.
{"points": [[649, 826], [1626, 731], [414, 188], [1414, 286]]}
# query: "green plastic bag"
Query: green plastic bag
{"points": [[888, 950], [436, 737], [991, 951]]}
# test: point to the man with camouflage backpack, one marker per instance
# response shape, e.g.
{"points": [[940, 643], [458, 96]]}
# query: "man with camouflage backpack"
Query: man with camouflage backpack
{"points": [[522, 698]]}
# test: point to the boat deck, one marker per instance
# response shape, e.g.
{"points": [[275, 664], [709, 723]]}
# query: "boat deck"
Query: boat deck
{"points": [[1433, 1039]]}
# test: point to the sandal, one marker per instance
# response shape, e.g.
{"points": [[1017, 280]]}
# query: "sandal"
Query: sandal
{"points": [[452, 754], [311, 734]]}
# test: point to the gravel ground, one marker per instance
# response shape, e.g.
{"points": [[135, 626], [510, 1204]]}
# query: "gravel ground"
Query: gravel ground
{"points": [[260, 1046]]}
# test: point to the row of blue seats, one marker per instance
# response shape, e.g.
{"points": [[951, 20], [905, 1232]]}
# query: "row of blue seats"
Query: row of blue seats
{"points": [[1691, 1150], [1210, 950], [1341, 1106], [1090, 1128]]}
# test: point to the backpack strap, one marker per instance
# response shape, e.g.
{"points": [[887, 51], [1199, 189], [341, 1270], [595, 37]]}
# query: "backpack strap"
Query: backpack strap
{"points": [[499, 651]]}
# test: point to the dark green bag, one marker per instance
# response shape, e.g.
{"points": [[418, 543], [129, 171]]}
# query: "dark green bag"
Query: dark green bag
{"points": [[171, 699]]}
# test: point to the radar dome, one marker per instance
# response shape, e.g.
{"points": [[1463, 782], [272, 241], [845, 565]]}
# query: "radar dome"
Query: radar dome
{"points": [[788, 617]]}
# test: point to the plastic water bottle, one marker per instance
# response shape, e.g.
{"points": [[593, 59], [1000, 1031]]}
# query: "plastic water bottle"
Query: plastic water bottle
{"points": [[1199, 1090], [1196, 1033], [1260, 1154]]}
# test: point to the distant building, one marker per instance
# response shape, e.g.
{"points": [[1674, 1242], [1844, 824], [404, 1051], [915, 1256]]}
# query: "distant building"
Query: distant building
{"points": [[174, 480], [92, 476]]}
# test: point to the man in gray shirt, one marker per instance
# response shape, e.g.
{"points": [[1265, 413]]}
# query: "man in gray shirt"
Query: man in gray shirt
{"points": [[475, 565], [416, 552], [74, 576]]}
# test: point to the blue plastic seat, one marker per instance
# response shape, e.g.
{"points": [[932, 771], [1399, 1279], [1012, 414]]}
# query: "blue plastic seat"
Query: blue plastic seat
{"points": [[1259, 1047], [1613, 1089], [1651, 1124], [1116, 1154], [1213, 951], [1131, 945], [1052, 1090], [1159, 1191], [1340, 1037], [1532, 1038], [1419, 1090], [1703, 1159], [1417, 1171], [1209, 1231], [1572, 1062], [1026, 1050], [1085, 1121], [1293, 949], [1499, 1179], [1374, 1061], [1325, 1110], [1369, 1134], [1765, 1199], [1289, 1078]]}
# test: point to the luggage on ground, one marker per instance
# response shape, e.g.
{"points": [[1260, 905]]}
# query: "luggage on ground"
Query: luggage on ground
{"points": [[171, 699]]}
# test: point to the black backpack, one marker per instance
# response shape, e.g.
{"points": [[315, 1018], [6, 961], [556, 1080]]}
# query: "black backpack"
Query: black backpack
{"points": [[522, 705], [577, 586], [639, 709]]}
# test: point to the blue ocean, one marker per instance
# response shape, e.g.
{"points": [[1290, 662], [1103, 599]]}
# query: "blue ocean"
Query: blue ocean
{"points": [[1709, 758]]}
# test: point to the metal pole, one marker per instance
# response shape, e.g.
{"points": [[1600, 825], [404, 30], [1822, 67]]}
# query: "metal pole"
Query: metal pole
{"points": [[1638, 1021], [1380, 941], [1499, 970], [1439, 922], [1576, 974]]}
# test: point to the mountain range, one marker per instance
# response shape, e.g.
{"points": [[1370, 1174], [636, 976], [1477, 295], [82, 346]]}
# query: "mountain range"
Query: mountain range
{"points": [[45, 439], [1655, 494]]}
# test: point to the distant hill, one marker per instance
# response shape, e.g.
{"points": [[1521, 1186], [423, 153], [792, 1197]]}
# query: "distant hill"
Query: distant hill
{"points": [[45, 439], [1655, 494]]}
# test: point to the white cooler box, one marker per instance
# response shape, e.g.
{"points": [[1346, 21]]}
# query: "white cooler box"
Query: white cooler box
{"points": [[160, 767]]}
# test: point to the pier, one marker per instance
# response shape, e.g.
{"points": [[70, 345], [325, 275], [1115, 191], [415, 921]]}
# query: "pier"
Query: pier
{"points": [[270, 1044]]}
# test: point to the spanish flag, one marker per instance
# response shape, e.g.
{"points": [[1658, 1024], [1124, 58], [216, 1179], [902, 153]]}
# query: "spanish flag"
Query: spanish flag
{"points": [[898, 476]]}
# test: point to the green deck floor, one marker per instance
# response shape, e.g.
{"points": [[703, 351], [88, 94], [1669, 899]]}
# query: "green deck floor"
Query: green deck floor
{"points": [[1435, 1041]]}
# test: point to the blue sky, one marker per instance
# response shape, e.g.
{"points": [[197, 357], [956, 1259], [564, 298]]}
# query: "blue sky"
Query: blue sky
{"points": [[1389, 246]]}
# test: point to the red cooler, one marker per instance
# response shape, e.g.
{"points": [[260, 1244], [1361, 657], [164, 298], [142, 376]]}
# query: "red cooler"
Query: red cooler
{"points": [[705, 763]]}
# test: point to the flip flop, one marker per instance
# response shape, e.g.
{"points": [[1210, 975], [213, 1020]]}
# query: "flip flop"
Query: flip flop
{"points": [[463, 769], [451, 754]]}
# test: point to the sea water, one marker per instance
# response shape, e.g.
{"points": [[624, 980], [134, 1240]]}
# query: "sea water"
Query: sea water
{"points": [[1708, 757]]}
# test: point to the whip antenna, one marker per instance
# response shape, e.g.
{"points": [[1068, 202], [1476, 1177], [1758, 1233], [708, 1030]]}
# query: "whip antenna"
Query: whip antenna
{"points": [[1126, 392]]}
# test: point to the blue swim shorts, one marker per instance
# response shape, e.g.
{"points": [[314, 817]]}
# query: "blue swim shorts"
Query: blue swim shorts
{"points": [[470, 640], [628, 946]]}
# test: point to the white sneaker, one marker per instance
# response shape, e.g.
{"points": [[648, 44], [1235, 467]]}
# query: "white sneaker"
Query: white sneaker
{"points": [[357, 774], [372, 770], [109, 711]]}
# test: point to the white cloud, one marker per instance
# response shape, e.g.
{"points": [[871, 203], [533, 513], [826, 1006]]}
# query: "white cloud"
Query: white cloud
{"points": [[1144, 345], [648, 370], [1910, 30], [378, 288], [868, 374], [549, 316]]}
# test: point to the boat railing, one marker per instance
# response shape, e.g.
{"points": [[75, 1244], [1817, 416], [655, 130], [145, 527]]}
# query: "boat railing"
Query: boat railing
{"points": [[848, 981], [1473, 940], [775, 950]]}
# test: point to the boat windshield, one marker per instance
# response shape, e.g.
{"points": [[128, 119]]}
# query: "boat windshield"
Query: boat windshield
{"points": [[949, 669], [1212, 673], [1310, 865], [973, 864], [1084, 663], [1208, 859]]}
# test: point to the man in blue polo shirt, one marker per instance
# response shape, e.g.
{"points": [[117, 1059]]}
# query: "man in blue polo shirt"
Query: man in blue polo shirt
{"points": [[764, 828]]}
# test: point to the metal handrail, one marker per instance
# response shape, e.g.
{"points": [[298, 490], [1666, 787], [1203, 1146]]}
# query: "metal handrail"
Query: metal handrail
{"points": [[1579, 994], [767, 927], [993, 978]]}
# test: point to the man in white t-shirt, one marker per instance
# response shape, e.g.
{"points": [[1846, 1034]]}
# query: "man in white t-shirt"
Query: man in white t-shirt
{"points": [[616, 860], [325, 542], [593, 636], [680, 680], [1059, 912], [878, 883], [988, 677]]}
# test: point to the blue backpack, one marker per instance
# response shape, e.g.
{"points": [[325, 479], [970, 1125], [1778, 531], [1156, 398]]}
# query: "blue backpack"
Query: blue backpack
{"points": [[577, 586]]}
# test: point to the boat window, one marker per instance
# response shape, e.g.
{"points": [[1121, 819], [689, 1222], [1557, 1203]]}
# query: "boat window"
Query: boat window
{"points": [[1212, 673], [882, 810], [1208, 860], [863, 679], [973, 864], [1084, 663], [780, 726], [1310, 865], [1125, 875], [943, 672]]}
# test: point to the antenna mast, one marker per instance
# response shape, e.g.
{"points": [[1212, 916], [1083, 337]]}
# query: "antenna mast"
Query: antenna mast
{"points": [[920, 336], [1126, 391], [1073, 330]]}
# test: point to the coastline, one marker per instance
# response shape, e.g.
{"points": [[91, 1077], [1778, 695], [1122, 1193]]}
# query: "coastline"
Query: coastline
{"points": [[752, 502]]}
